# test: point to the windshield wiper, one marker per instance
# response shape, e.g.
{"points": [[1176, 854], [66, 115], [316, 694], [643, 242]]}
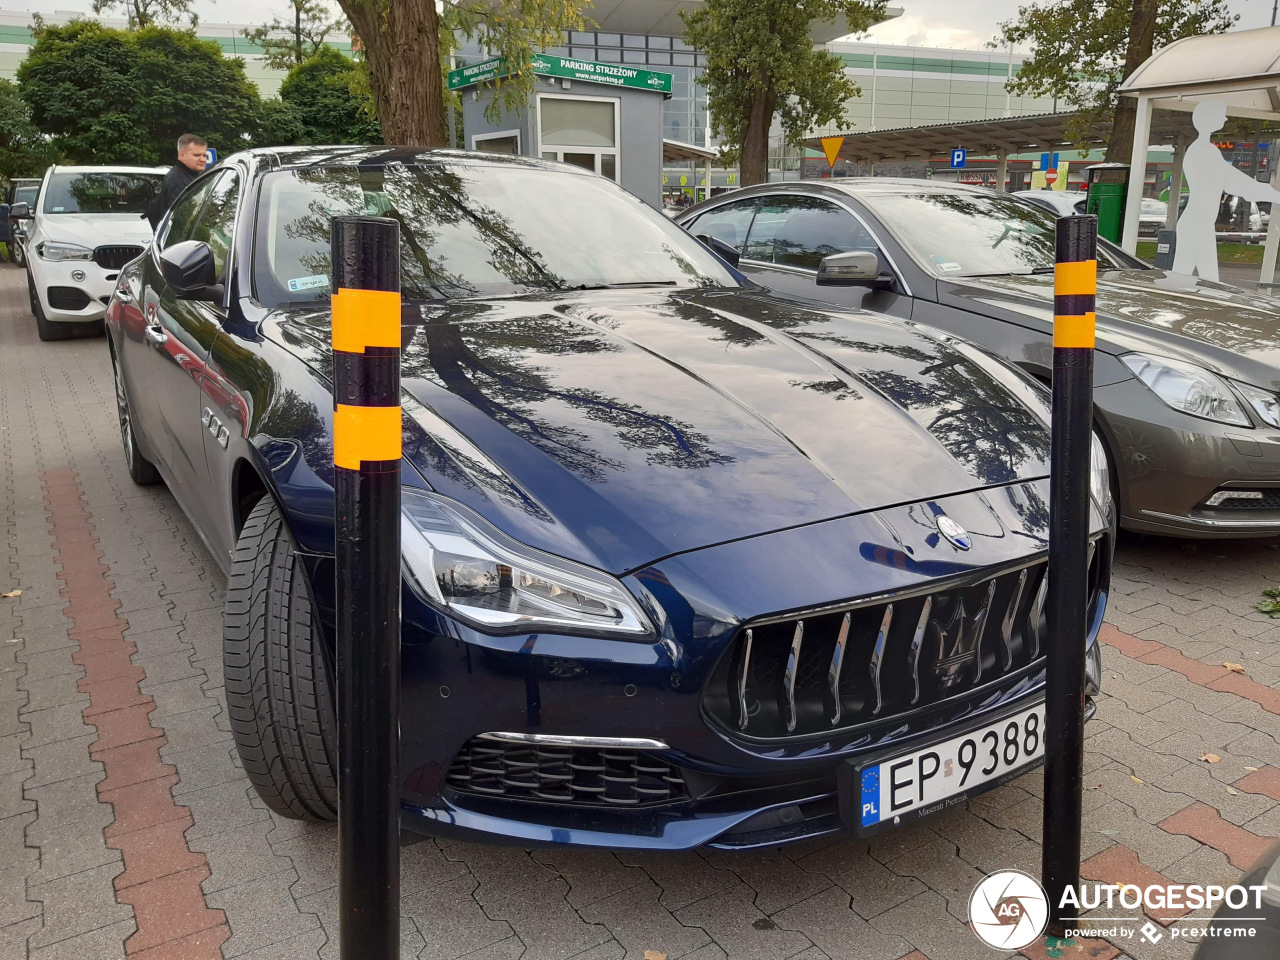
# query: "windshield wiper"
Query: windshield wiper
{"points": [[623, 286], [1005, 273]]}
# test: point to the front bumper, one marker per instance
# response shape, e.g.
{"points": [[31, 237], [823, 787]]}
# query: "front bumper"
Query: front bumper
{"points": [[458, 684], [1169, 464], [95, 287]]}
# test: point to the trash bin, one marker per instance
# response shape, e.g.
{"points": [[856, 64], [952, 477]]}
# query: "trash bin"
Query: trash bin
{"points": [[1166, 245], [1106, 185]]}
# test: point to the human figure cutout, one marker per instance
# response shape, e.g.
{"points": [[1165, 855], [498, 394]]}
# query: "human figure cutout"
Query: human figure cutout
{"points": [[1209, 175]]}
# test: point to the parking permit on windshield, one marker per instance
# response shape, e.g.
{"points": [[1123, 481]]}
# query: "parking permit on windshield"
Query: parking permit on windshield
{"points": [[308, 283]]}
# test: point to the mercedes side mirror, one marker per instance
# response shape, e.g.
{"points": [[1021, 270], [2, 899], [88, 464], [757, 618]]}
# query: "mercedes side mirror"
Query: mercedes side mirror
{"points": [[858, 268], [190, 269], [721, 249], [20, 211]]}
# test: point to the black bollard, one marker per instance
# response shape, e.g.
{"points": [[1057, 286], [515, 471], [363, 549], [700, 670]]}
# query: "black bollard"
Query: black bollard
{"points": [[366, 458], [1075, 286]]}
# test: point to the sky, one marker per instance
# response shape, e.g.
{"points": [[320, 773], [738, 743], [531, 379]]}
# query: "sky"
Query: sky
{"points": [[931, 23]]}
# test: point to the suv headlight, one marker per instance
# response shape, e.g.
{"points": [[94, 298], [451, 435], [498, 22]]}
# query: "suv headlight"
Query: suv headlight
{"points": [[460, 563], [1265, 403], [1187, 388], [50, 250]]}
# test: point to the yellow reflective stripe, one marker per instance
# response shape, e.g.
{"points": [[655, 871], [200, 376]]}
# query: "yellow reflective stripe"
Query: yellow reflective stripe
{"points": [[1074, 279], [1074, 331], [365, 433], [365, 318]]}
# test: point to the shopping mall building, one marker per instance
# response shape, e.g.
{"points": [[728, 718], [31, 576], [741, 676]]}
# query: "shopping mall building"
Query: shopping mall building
{"points": [[641, 39]]}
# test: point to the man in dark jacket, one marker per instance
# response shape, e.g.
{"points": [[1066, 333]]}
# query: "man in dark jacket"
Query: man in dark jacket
{"points": [[193, 155]]}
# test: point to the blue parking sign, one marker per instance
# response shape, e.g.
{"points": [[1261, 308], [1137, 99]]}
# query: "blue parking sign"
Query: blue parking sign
{"points": [[957, 157], [212, 155]]}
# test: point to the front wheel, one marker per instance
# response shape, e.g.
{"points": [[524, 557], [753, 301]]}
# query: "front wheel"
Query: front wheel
{"points": [[46, 329], [17, 254], [277, 678], [141, 469]]}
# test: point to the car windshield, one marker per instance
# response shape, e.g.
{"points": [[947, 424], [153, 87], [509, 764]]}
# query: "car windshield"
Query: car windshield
{"points": [[471, 229], [975, 234], [26, 195], [101, 192]]}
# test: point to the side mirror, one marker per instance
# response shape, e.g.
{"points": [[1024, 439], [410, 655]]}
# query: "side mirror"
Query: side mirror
{"points": [[20, 211], [190, 269], [720, 249], [858, 268]]}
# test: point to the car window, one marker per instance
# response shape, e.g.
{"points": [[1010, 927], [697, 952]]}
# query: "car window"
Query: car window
{"points": [[185, 210], [217, 218], [473, 228], [728, 223], [800, 231], [100, 192], [26, 195]]}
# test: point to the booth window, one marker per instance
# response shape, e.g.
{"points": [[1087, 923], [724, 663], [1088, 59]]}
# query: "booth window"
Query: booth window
{"points": [[581, 132]]}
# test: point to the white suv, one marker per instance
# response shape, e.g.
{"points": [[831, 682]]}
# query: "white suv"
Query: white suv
{"points": [[85, 225]]}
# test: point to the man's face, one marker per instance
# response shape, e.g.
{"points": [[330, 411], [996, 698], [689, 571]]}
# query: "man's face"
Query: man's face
{"points": [[194, 156]]}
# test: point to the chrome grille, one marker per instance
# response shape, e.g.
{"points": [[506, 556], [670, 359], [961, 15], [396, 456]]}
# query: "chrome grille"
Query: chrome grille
{"points": [[843, 669], [114, 257], [573, 775]]}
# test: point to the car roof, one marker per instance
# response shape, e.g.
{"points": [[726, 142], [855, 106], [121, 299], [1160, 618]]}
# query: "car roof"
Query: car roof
{"points": [[105, 168], [303, 157]]}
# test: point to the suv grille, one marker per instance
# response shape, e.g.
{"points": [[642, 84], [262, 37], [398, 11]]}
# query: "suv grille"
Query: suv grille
{"points": [[564, 774], [113, 258], [876, 663]]}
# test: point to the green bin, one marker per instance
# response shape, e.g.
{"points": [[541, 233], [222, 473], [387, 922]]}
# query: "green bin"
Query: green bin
{"points": [[1107, 183]]}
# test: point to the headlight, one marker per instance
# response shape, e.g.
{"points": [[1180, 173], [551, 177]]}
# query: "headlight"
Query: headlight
{"points": [[1099, 479], [1187, 388], [470, 569], [1265, 404], [63, 251]]}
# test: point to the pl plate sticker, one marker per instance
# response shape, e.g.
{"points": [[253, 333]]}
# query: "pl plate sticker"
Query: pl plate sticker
{"points": [[308, 283]]}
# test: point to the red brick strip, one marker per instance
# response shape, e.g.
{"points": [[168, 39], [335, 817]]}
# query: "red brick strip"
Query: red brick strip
{"points": [[1077, 948], [162, 876], [1197, 671], [1118, 864], [1203, 823], [1265, 781]]}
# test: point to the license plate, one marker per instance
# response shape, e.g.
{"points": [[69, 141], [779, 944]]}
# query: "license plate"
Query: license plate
{"points": [[933, 778]]}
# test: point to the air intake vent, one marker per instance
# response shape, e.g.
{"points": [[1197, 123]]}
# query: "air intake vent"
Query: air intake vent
{"points": [[572, 775], [67, 298]]}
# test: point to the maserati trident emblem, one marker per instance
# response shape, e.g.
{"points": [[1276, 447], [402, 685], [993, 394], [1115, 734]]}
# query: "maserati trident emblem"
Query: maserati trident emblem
{"points": [[955, 534], [959, 641]]}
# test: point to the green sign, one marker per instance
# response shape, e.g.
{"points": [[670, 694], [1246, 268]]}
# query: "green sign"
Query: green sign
{"points": [[616, 74]]}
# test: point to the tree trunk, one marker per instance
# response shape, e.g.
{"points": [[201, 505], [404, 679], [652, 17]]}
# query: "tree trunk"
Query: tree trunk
{"points": [[1142, 38], [401, 41], [755, 139]]}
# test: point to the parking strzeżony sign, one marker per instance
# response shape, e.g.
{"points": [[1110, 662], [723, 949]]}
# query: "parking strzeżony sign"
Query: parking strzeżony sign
{"points": [[617, 74]]}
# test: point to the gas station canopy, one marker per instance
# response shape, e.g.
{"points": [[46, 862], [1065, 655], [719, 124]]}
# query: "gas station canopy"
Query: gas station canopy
{"points": [[1008, 135]]}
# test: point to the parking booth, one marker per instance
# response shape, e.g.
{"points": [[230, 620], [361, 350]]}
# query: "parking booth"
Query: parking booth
{"points": [[604, 117]]}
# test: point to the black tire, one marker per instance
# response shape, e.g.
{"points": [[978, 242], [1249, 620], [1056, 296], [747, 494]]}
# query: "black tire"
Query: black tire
{"points": [[277, 678], [141, 469], [46, 329], [17, 254]]}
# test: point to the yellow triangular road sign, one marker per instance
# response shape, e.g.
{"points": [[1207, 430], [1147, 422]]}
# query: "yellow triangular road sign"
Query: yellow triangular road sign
{"points": [[831, 147]]}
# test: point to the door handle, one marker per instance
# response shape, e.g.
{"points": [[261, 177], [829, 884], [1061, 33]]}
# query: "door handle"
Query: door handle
{"points": [[156, 334]]}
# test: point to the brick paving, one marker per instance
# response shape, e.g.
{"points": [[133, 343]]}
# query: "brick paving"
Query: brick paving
{"points": [[128, 830]]}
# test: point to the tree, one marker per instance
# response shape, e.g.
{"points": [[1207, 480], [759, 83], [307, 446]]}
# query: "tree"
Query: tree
{"points": [[405, 43], [1084, 49], [148, 13], [761, 64], [319, 94], [111, 96], [23, 151], [285, 44]]}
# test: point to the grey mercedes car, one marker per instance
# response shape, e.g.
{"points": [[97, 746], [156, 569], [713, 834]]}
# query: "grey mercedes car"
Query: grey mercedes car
{"points": [[1187, 371]]}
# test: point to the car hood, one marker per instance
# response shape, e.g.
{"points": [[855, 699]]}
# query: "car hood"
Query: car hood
{"points": [[95, 230], [620, 427], [1220, 326]]}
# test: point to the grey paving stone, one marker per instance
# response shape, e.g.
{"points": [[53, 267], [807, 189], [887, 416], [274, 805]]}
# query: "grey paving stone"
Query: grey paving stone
{"points": [[17, 862], [830, 922], [776, 880], [62, 760], [202, 767], [639, 922], [13, 938], [548, 925], [12, 799], [56, 723], [502, 871], [684, 877], [592, 875], [238, 856], [195, 728], [730, 917], [69, 828], [105, 943], [925, 922], [873, 887], [77, 904], [303, 946], [264, 913], [221, 807], [451, 921], [48, 692], [325, 907]]}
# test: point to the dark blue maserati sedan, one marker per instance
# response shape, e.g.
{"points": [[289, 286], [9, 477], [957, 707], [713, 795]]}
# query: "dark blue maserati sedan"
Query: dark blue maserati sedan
{"points": [[685, 562]]}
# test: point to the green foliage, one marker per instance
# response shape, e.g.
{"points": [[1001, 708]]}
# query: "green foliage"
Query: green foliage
{"points": [[1080, 47], [321, 93], [111, 96], [287, 41], [1271, 605], [760, 57], [148, 13], [517, 31], [23, 151]]}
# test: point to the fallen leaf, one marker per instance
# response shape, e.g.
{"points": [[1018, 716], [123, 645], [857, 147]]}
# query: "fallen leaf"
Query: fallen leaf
{"points": [[654, 955], [1136, 780], [1210, 758], [1109, 833], [1251, 769], [12, 593], [1233, 667], [1234, 793]]}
